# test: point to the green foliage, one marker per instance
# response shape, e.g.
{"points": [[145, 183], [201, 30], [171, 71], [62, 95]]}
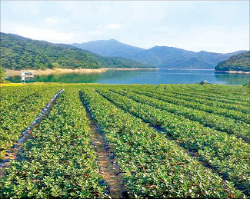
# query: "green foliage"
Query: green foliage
{"points": [[240, 62], [19, 107], [206, 118], [2, 74], [60, 160], [201, 151], [153, 165], [119, 62], [19, 53], [226, 153]]}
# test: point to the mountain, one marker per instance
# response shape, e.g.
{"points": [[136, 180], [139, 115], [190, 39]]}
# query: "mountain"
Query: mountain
{"points": [[158, 56], [170, 57], [18, 52], [239, 62], [111, 48]]}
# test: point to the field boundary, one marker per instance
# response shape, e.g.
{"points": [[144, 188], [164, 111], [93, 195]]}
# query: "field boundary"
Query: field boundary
{"points": [[109, 168], [14, 152]]}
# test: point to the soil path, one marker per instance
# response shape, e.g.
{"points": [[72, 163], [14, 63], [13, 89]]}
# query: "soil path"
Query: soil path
{"points": [[109, 168]]}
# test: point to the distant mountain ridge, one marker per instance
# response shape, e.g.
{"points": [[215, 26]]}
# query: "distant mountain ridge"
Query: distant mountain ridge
{"points": [[158, 56], [110, 48], [18, 52]]}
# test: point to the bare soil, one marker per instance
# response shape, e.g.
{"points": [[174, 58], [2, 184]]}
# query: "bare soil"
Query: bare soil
{"points": [[109, 169]]}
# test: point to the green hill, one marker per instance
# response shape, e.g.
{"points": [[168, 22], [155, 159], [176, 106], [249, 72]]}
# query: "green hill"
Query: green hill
{"points": [[22, 53], [240, 62]]}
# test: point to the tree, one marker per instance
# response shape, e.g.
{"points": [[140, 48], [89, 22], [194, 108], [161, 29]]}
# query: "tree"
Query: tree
{"points": [[2, 74]]}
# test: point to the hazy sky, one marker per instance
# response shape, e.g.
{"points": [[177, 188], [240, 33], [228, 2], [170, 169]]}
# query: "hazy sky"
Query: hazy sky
{"points": [[217, 26]]}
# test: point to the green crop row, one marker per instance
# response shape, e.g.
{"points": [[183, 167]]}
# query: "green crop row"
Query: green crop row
{"points": [[210, 109], [239, 100], [223, 90], [237, 105], [17, 117], [59, 160], [218, 122], [226, 153], [153, 166], [223, 93], [12, 95], [214, 102]]}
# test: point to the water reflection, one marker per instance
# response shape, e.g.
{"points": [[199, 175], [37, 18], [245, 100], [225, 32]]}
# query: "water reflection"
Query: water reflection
{"points": [[143, 77], [233, 78]]}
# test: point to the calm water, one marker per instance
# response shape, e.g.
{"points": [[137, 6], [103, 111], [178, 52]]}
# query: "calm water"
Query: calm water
{"points": [[143, 77]]}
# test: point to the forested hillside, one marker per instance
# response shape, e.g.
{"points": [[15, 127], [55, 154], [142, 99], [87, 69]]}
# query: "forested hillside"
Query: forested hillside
{"points": [[2, 74], [240, 62], [19, 52]]}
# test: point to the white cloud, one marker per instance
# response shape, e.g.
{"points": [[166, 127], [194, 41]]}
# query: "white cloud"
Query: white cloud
{"points": [[114, 26], [52, 20], [43, 34], [96, 32]]}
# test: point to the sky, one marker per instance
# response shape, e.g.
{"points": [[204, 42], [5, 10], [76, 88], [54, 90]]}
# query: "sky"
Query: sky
{"points": [[215, 26]]}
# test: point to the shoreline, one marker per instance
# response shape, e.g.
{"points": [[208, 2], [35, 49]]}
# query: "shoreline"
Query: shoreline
{"points": [[232, 72], [133, 69], [10, 72]]}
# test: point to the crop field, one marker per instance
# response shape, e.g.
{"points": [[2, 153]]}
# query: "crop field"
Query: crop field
{"points": [[125, 141]]}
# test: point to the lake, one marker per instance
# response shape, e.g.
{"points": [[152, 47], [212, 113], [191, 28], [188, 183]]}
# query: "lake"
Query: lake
{"points": [[163, 76]]}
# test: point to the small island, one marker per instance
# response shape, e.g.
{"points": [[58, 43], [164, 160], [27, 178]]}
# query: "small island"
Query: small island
{"points": [[236, 64]]}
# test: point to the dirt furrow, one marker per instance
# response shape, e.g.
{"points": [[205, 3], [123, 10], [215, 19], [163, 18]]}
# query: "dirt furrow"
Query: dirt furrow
{"points": [[108, 165]]}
